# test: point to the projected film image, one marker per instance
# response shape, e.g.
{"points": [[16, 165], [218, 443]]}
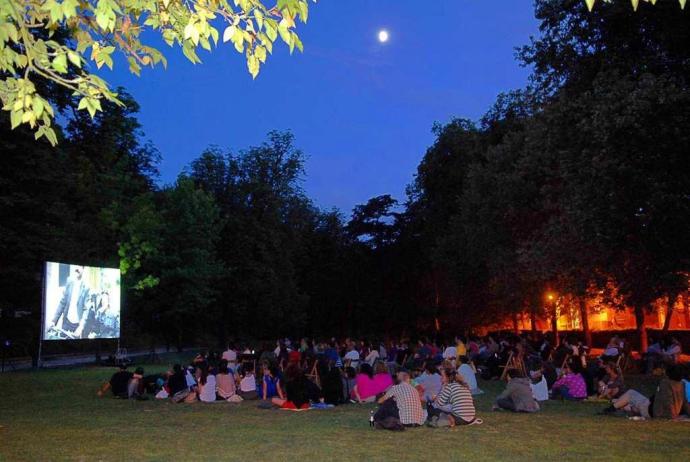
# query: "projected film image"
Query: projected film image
{"points": [[81, 302]]}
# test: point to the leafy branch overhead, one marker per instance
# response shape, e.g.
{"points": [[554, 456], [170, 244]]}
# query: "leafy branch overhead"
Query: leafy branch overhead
{"points": [[635, 3], [59, 41]]}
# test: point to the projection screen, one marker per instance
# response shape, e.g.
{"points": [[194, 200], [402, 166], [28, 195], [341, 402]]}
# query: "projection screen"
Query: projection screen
{"points": [[81, 302]]}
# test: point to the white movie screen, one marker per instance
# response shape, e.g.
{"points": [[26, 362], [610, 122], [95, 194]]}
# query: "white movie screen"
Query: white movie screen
{"points": [[81, 302]]}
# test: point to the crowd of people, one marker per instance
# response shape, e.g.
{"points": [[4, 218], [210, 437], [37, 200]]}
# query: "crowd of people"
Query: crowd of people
{"points": [[418, 383]]}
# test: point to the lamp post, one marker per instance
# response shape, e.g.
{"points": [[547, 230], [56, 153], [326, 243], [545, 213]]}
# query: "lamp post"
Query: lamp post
{"points": [[551, 307]]}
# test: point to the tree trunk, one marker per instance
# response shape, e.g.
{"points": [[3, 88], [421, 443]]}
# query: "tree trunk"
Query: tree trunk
{"points": [[641, 329], [554, 327], [533, 319], [585, 323], [672, 297], [516, 328]]}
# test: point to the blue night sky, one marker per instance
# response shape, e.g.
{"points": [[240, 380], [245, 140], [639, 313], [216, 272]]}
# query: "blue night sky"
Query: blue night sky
{"points": [[361, 111]]}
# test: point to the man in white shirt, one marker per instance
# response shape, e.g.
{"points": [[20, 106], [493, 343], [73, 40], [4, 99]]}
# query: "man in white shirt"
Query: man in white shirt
{"points": [[230, 355], [352, 355]]}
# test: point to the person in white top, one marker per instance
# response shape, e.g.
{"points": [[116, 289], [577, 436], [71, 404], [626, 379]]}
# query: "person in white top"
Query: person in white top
{"points": [[469, 375], [352, 355], [207, 386], [451, 354], [372, 357], [230, 355]]}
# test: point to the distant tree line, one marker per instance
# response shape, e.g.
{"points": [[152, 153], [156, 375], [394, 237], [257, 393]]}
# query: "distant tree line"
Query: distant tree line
{"points": [[578, 182]]}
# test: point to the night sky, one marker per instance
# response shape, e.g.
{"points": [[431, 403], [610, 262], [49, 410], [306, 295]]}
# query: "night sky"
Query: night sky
{"points": [[360, 110]]}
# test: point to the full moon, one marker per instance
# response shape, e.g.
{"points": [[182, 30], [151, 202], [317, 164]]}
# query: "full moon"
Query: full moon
{"points": [[383, 36]]}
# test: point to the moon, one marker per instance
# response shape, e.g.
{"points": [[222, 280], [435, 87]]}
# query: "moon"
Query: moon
{"points": [[383, 36]]}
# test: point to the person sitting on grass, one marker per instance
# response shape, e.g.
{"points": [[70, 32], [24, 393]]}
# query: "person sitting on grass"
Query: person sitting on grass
{"points": [[612, 385], [408, 401], [206, 385], [517, 396], [177, 384], [571, 385], [382, 379], [669, 400], [270, 386], [469, 375], [296, 390], [364, 390], [331, 382], [248, 382], [430, 382], [225, 381], [118, 383], [135, 387], [454, 404]]}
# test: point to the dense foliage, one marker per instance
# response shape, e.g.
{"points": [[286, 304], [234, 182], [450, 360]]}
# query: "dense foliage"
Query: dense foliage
{"points": [[58, 39], [577, 182]]}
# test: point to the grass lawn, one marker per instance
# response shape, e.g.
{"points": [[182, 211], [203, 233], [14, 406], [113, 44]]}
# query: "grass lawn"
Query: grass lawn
{"points": [[55, 415]]}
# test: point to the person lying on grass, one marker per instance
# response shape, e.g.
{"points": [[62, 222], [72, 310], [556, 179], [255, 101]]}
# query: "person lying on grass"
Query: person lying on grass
{"points": [[454, 404], [517, 396], [669, 402]]}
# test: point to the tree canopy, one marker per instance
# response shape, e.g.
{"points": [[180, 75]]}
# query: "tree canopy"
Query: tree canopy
{"points": [[56, 40]]}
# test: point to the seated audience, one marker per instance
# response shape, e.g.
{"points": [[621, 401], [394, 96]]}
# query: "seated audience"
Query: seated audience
{"points": [[571, 385], [517, 396], [135, 387], [364, 390], [669, 400], [672, 351], [296, 390], [177, 384], [407, 400], [225, 381], [118, 383], [270, 385], [454, 404], [248, 383], [539, 386], [206, 385], [331, 383], [382, 379], [611, 386], [469, 375], [430, 382]]}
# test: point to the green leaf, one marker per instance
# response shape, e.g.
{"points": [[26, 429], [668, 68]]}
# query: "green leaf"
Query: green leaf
{"points": [[60, 63], [228, 33]]}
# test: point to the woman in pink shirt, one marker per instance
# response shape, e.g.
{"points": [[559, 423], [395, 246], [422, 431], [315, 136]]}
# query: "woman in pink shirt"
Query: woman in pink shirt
{"points": [[364, 390], [382, 380], [571, 385]]}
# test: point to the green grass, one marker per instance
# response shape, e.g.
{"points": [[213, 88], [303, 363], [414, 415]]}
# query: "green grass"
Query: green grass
{"points": [[55, 415]]}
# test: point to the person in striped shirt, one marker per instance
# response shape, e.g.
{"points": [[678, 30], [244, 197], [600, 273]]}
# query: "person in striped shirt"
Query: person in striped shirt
{"points": [[454, 402]]}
